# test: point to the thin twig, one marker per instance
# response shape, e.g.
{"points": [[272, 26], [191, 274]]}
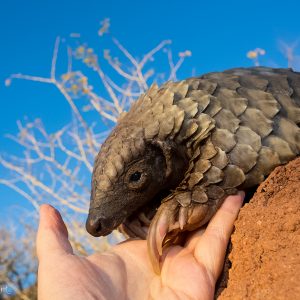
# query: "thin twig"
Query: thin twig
{"points": [[54, 58]]}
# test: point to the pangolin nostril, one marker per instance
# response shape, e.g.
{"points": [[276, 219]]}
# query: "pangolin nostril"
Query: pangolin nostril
{"points": [[94, 226]]}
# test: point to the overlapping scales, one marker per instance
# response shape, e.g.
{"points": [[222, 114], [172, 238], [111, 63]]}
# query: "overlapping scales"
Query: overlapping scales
{"points": [[266, 103], [250, 116], [236, 124]]}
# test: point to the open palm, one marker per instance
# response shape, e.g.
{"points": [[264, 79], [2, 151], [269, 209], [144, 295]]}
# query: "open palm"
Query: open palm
{"points": [[125, 272]]}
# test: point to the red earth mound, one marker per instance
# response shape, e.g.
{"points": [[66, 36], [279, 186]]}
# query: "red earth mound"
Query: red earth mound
{"points": [[264, 262]]}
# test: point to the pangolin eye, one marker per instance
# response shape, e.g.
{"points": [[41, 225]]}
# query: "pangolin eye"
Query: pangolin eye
{"points": [[137, 179], [136, 176]]}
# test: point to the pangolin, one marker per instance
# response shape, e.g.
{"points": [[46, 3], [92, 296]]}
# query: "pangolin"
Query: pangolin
{"points": [[184, 146]]}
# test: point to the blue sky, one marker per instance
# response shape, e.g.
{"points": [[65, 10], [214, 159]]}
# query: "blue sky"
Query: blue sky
{"points": [[219, 34]]}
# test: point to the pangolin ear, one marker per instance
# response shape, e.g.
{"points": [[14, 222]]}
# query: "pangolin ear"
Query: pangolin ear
{"points": [[168, 153]]}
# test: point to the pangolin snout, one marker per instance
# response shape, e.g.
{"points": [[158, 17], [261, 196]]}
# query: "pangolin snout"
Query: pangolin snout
{"points": [[99, 226]]}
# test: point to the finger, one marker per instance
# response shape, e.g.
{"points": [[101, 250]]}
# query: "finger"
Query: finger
{"points": [[52, 236], [193, 238], [211, 247]]}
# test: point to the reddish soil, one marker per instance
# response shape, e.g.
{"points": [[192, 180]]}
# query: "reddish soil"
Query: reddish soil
{"points": [[264, 262]]}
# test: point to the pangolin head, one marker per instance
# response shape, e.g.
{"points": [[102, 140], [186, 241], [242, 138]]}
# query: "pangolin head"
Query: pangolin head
{"points": [[129, 172]]}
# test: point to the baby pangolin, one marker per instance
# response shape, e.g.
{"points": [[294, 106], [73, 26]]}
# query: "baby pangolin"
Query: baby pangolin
{"points": [[183, 147]]}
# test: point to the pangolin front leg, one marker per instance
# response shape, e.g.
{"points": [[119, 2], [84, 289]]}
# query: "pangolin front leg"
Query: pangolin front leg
{"points": [[209, 179], [172, 218]]}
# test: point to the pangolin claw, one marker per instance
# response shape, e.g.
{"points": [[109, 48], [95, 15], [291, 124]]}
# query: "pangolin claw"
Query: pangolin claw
{"points": [[158, 235], [169, 224]]}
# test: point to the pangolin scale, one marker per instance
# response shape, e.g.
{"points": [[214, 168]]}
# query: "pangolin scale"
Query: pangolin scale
{"points": [[183, 147]]}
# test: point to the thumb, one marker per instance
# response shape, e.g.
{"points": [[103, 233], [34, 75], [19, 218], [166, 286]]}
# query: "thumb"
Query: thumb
{"points": [[52, 236]]}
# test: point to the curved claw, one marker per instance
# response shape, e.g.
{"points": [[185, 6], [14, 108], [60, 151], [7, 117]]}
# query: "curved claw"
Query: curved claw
{"points": [[169, 221], [162, 223]]}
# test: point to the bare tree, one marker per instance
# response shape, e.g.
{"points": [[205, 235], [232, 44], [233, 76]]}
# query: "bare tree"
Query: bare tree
{"points": [[17, 261], [289, 50], [56, 167]]}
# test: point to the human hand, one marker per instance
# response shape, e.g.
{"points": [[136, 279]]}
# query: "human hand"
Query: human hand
{"points": [[125, 272]]}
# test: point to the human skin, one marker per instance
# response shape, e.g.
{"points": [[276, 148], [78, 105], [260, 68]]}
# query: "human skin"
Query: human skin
{"points": [[125, 272]]}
